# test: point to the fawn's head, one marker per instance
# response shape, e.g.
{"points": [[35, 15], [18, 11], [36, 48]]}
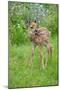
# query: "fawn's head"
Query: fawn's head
{"points": [[33, 25], [31, 28]]}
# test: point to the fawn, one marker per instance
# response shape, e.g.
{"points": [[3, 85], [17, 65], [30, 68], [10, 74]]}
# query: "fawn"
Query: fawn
{"points": [[40, 37]]}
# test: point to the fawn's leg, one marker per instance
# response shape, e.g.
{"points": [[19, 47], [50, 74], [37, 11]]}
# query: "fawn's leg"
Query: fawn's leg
{"points": [[49, 53], [51, 50], [47, 57], [41, 57], [33, 50]]}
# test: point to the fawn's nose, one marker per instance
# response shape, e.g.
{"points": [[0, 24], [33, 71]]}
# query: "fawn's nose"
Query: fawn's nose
{"points": [[31, 27]]}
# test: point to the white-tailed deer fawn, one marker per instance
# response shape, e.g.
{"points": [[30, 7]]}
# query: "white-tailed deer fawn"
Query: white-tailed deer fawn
{"points": [[40, 37]]}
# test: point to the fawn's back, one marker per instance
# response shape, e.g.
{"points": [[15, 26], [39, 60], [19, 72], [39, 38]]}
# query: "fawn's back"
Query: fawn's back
{"points": [[39, 36]]}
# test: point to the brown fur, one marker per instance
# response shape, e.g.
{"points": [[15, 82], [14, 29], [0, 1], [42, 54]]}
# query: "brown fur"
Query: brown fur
{"points": [[40, 37]]}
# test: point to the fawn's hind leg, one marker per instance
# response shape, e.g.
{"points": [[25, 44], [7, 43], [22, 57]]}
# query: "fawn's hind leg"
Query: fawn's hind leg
{"points": [[49, 46], [49, 53]]}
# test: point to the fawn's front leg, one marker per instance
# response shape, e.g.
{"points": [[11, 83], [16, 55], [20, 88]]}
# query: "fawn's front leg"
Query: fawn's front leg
{"points": [[33, 50], [41, 57], [32, 54]]}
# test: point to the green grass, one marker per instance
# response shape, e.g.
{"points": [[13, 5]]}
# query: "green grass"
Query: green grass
{"points": [[23, 74]]}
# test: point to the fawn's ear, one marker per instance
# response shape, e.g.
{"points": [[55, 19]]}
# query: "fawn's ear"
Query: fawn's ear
{"points": [[35, 21]]}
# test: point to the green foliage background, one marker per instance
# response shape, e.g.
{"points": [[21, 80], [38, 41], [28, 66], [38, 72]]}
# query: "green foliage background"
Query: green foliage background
{"points": [[21, 73], [20, 14]]}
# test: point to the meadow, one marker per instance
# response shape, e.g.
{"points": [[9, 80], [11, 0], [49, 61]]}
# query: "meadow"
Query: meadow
{"points": [[23, 74]]}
